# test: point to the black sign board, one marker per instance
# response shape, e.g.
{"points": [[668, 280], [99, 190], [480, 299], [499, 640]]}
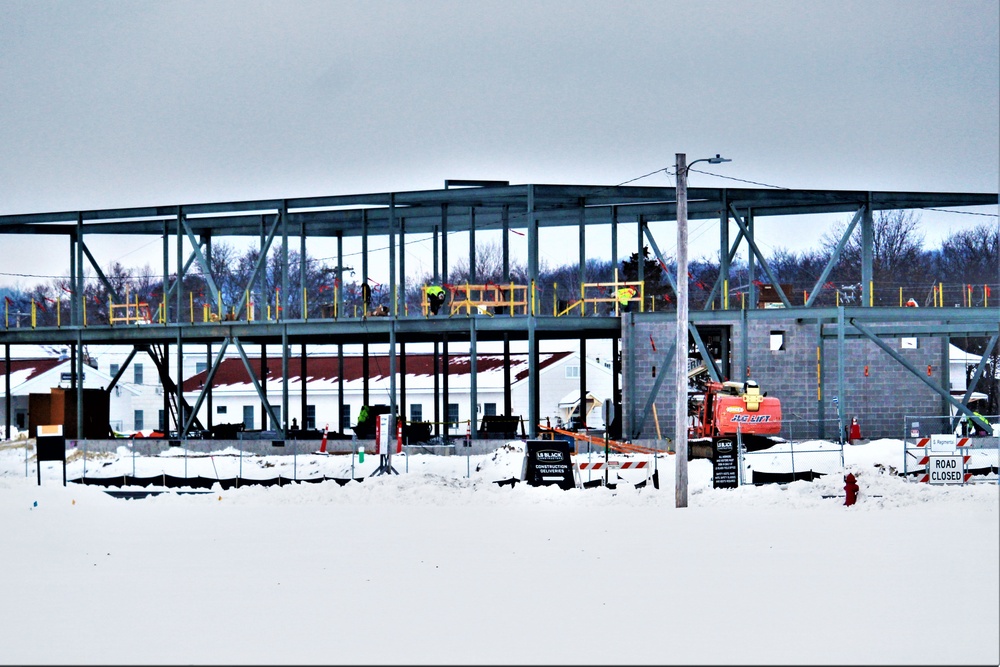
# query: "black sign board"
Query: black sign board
{"points": [[725, 466], [548, 462], [50, 448]]}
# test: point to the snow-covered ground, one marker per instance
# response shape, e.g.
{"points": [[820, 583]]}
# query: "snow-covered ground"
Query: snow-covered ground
{"points": [[440, 565]]}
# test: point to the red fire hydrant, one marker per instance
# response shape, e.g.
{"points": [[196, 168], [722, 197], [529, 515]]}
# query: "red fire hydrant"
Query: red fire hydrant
{"points": [[851, 488]]}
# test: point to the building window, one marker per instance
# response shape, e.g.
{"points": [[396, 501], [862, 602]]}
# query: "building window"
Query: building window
{"points": [[777, 341], [248, 416], [452, 415], [310, 417], [137, 371], [221, 409], [200, 366], [345, 417], [572, 371], [113, 369], [161, 421], [137, 423], [490, 409], [416, 412]]}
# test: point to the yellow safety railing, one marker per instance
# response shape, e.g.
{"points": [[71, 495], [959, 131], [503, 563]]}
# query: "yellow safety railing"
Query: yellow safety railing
{"points": [[592, 294], [485, 299], [130, 312]]}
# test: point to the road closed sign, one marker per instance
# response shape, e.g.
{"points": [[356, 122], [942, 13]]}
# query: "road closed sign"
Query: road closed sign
{"points": [[945, 470]]}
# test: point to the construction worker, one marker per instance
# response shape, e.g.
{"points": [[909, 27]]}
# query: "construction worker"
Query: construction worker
{"points": [[366, 296], [625, 295], [435, 297]]}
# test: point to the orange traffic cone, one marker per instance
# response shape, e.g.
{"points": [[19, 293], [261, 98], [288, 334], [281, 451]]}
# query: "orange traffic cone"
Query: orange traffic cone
{"points": [[322, 445]]}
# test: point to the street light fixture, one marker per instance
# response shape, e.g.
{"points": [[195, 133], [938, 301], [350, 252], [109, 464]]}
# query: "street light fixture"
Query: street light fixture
{"points": [[681, 345]]}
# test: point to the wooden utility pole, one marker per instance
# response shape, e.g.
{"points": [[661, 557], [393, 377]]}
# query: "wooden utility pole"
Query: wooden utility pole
{"points": [[680, 356]]}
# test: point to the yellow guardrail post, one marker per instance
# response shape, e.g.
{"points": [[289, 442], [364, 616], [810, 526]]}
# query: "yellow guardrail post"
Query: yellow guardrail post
{"points": [[305, 304], [871, 293], [642, 296], [33, 312], [84, 299]]}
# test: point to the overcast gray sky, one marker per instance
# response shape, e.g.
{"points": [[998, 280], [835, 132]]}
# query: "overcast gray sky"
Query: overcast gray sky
{"points": [[109, 104]]}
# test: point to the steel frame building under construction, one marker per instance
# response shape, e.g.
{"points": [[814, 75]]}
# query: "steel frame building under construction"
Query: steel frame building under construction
{"points": [[472, 207]]}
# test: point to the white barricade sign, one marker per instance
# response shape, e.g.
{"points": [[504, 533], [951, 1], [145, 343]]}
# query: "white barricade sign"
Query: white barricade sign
{"points": [[945, 469], [943, 442]]}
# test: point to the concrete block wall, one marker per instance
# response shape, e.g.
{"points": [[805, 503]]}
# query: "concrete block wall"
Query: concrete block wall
{"points": [[879, 400]]}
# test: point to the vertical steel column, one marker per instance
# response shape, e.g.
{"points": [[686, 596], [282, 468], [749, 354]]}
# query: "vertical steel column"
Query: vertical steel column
{"points": [[435, 270], [533, 391], [283, 302], [473, 383], [263, 389], [820, 357], [616, 360], [262, 300], [303, 283], [339, 292], [283, 425], [208, 390], [724, 270], [74, 291], [505, 243], [402, 380], [393, 309], [751, 262], [946, 373], [401, 310], [472, 245], [6, 390], [444, 343], [867, 254], [179, 284], [163, 374], [393, 303], [78, 385], [364, 283], [437, 390], [364, 247], [614, 241], [304, 399], [508, 407], [582, 233], [444, 383], [640, 256], [78, 366], [179, 386], [744, 375], [841, 395], [341, 426]]}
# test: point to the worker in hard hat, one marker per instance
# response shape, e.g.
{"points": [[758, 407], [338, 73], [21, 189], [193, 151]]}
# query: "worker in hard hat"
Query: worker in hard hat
{"points": [[625, 295], [911, 303], [435, 298]]}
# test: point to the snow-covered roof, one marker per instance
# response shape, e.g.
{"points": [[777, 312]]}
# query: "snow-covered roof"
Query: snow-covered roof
{"points": [[322, 372]]}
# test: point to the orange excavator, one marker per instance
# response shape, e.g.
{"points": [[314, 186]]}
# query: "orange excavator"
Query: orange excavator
{"points": [[731, 410]]}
